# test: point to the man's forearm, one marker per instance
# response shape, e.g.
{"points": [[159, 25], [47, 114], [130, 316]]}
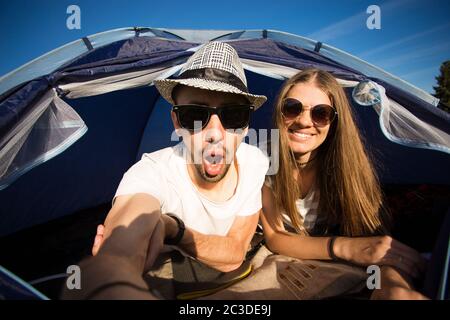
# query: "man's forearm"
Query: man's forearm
{"points": [[220, 252]]}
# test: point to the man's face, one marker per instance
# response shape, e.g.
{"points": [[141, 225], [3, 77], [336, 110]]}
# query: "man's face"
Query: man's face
{"points": [[212, 150]]}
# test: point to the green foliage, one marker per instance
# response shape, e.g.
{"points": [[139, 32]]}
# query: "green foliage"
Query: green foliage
{"points": [[442, 90]]}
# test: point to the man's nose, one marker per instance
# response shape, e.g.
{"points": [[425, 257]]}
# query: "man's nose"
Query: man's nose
{"points": [[214, 130]]}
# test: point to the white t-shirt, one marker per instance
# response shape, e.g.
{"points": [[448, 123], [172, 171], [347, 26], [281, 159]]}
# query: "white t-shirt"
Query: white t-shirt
{"points": [[307, 207], [163, 174]]}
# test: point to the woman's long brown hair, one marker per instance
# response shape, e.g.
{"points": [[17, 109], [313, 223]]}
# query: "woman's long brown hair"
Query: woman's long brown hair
{"points": [[350, 193]]}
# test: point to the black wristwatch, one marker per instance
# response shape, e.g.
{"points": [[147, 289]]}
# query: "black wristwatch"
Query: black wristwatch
{"points": [[176, 240]]}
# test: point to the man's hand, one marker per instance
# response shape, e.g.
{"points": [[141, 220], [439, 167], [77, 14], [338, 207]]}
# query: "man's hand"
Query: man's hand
{"points": [[170, 231], [126, 209], [380, 250], [155, 245], [98, 240], [171, 226]]}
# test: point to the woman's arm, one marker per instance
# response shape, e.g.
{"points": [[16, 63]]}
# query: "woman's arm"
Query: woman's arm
{"points": [[398, 262], [364, 251], [286, 243]]}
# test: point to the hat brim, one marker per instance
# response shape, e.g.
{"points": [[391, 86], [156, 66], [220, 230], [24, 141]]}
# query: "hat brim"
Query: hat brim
{"points": [[165, 88]]}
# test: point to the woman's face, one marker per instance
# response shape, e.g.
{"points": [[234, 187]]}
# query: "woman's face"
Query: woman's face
{"points": [[305, 136]]}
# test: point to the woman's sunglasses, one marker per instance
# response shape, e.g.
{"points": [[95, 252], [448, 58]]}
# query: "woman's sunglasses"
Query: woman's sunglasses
{"points": [[231, 117], [321, 114]]}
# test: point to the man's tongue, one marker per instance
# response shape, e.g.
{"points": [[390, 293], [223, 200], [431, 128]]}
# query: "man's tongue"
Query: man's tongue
{"points": [[213, 163]]}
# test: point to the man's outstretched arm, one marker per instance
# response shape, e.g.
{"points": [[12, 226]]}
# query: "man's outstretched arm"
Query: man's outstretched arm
{"points": [[125, 209], [224, 253], [133, 239]]}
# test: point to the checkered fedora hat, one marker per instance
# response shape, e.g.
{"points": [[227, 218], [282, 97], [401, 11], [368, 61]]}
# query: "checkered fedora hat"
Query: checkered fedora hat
{"points": [[215, 66]]}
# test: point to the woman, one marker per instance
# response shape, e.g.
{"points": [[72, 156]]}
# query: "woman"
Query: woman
{"points": [[325, 201]]}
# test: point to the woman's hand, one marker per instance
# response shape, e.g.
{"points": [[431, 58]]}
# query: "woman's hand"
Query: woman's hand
{"points": [[380, 250], [395, 286]]}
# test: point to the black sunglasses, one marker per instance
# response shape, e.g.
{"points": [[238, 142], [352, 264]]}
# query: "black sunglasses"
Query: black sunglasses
{"points": [[231, 117], [321, 114]]}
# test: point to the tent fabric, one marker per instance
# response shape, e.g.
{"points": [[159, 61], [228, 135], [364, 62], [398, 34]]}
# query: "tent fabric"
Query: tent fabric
{"points": [[47, 130], [402, 126], [142, 53], [60, 56], [117, 82], [14, 288], [54, 59], [88, 173], [108, 89]]}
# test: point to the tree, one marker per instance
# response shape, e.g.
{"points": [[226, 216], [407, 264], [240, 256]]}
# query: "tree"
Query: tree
{"points": [[442, 90]]}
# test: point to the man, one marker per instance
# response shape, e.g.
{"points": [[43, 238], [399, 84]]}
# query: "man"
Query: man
{"points": [[207, 189]]}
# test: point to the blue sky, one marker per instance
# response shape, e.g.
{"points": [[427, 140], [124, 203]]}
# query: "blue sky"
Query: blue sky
{"points": [[413, 41]]}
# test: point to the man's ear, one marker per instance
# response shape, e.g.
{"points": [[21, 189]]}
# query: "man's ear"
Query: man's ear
{"points": [[174, 120], [179, 131]]}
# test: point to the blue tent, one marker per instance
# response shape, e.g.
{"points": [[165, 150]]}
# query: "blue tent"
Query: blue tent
{"points": [[74, 120]]}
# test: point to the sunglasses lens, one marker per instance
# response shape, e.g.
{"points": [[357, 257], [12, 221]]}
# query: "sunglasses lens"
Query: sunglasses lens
{"points": [[322, 114], [291, 108], [189, 115], [235, 117]]}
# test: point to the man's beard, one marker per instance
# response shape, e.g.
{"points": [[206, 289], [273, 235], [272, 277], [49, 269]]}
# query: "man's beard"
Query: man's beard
{"points": [[209, 158], [208, 178]]}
